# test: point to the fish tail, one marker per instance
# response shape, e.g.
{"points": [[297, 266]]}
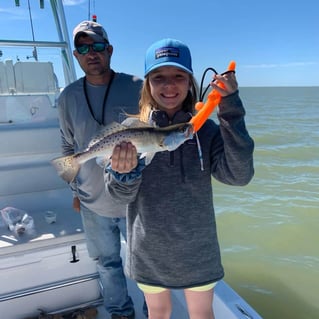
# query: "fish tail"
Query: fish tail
{"points": [[67, 167]]}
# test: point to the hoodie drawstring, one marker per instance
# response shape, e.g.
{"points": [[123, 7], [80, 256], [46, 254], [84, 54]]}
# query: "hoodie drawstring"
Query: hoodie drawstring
{"points": [[200, 154]]}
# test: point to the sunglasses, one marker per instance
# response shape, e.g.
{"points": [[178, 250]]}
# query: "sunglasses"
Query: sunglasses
{"points": [[96, 47]]}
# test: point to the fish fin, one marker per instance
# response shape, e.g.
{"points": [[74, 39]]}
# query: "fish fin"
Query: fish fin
{"points": [[109, 129], [171, 127], [102, 161], [115, 127], [67, 167], [148, 157], [137, 124]]}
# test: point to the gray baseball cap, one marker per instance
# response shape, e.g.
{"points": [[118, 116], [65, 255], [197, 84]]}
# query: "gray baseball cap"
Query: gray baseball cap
{"points": [[92, 29]]}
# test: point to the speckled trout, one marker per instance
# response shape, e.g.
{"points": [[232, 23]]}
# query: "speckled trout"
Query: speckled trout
{"points": [[148, 140]]}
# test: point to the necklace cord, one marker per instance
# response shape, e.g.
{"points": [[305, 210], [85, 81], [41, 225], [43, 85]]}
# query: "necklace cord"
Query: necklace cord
{"points": [[104, 99]]}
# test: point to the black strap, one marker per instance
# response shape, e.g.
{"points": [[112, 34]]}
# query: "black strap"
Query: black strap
{"points": [[104, 99]]}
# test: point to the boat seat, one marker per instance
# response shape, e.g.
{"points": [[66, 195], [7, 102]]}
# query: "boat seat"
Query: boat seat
{"points": [[35, 77], [7, 78], [10, 76], [3, 79]]}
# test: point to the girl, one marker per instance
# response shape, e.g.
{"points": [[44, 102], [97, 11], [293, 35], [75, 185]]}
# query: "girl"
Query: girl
{"points": [[171, 237]]}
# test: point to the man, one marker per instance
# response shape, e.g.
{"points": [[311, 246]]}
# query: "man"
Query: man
{"points": [[102, 96]]}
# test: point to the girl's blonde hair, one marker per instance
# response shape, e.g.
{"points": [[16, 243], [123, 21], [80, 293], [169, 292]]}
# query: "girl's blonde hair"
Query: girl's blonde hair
{"points": [[147, 103]]}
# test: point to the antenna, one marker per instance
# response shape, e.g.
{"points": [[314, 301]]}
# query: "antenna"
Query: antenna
{"points": [[34, 52], [89, 10], [94, 17]]}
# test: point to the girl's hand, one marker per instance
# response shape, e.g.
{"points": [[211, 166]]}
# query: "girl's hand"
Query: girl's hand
{"points": [[124, 158], [228, 81]]}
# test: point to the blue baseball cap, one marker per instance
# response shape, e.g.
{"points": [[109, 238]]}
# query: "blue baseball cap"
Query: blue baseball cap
{"points": [[168, 52]]}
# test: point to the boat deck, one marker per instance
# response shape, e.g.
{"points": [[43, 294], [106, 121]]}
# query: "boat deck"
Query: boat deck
{"points": [[67, 225]]}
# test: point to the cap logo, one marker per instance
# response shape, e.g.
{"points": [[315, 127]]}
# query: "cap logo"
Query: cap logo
{"points": [[166, 52]]}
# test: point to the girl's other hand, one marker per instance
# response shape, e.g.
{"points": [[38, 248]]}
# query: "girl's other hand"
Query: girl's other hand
{"points": [[229, 81]]}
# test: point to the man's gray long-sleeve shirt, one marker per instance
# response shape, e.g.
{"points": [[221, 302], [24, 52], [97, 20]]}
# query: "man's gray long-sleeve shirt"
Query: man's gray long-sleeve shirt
{"points": [[78, 127]]}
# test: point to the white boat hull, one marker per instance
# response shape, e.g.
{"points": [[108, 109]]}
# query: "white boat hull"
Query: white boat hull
{"points": [[44, 278]]}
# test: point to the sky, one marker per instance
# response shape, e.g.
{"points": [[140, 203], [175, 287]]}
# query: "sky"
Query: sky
{"points": [[273, 42]]}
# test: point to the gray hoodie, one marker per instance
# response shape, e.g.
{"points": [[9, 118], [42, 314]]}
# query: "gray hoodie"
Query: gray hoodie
{"points": [[171, 236]]}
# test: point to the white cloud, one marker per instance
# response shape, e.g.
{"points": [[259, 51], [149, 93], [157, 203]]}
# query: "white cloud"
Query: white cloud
{"points": [[73, 2], [279, 65], [13, 14]]}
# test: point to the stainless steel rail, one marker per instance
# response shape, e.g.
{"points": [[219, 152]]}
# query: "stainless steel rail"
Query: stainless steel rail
{"points": [[48, 287]]}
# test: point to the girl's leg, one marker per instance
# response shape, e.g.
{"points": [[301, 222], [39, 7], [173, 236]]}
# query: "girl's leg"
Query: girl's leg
{"points": [[200, 303], [159, 304]]}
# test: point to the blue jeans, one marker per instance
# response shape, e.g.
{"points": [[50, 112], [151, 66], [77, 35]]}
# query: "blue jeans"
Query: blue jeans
{"points": [[103, 236]]}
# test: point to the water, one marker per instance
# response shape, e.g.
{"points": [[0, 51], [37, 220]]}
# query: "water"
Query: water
{"points": [[269, 230]]}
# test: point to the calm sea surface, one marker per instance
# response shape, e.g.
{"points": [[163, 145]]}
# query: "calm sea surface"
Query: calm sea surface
{"points": [[269, 230]]}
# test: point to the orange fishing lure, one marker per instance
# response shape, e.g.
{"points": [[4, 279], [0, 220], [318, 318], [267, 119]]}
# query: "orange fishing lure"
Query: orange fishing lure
{"points": [[205, 109]]}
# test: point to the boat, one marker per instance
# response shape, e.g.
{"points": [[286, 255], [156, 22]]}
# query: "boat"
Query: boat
{"points": [[46, 268]]}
